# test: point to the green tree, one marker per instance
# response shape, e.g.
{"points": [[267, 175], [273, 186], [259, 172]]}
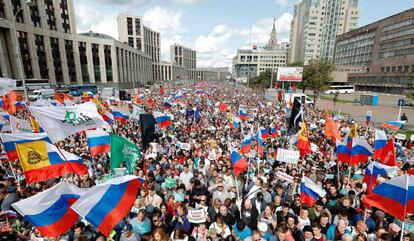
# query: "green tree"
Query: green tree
{"points": [[317, 76], [263, 80]]}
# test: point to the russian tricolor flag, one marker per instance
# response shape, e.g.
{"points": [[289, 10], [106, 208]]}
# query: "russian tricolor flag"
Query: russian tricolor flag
{"points": [[379, 143], [373, 170], [235, 122], [264, 133], [167, 105], [120, 115], [275, 132], [99, 141], [106, 204], [246, 144], [49, 211], [393, 125], [163, 120], [343, 153], [239, 164], [394, 196], [243, 114], [10, 141], [310, 192], [260, 146], [368, 117], [360, 152], [108, 117]]}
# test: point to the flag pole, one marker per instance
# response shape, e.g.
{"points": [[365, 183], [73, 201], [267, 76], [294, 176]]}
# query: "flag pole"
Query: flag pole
{"points": [[14, 174]]}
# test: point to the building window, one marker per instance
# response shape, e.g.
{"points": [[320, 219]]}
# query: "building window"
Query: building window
{"points": [[2, 11], [406, 68], [50, 14], [35, 16], [64, 13], [57, 63], [84, 62], [129, 26], [108, 63], [16, 8], [131, 41], [24, 51], [41, 56], [139, 46], [138, 27], [70, 59], [394, 68], [382, 69], [96, 62]]}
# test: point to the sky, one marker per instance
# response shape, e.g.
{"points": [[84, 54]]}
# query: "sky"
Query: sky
{"points": [[215, 28]]}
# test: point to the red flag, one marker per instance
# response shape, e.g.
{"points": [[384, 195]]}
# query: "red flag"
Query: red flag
{"points": [[388, 154], [223, 107], [151, 103], [294, 87], [162, 90], [276, 85]]}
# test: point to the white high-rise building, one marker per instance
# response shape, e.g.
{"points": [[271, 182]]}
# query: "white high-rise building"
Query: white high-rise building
{"points": [[183, 56], [315, 25], [132, 31]]}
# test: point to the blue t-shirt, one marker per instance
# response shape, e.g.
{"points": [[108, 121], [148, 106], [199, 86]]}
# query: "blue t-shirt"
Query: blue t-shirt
{"points": [[141, 228], [247, 232]]}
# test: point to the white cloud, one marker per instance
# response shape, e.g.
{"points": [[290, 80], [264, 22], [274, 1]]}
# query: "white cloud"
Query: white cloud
{"points": [[187, 2], [260, 31], [90, 19], [161, 19], [214, 41], [282, 2]]}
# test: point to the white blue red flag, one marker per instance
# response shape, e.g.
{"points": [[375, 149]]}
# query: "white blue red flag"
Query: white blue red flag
{"points": [[310, 192], [99, 141]]}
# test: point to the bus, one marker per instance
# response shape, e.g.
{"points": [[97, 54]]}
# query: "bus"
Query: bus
{"points": [[33, 84], [77, 90], [341, 89]]}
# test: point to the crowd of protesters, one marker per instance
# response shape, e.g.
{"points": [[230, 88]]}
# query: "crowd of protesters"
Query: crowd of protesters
{"points": [[189, 168]]}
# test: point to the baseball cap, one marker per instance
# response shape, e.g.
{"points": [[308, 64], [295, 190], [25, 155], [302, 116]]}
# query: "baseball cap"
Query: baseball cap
{"points": [[394, 227], [128, 227], [262, 227]]}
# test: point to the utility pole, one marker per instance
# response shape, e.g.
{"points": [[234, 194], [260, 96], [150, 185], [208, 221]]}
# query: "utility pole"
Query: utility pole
{"points": [[248, 65]]}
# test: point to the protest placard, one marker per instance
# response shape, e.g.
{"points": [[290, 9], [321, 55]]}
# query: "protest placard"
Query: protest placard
{"points": [[288, 156], [196, 216], [285, 177]]}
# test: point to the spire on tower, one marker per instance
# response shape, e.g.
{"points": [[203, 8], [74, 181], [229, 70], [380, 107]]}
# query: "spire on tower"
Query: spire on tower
{"points": [[274, 28]]}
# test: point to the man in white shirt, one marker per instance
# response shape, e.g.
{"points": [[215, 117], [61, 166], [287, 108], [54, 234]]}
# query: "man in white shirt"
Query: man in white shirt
{"points": [[186, 176]]}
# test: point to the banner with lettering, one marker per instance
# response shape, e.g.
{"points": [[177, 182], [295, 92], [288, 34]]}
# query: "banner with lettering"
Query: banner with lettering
{"points": [[61, 122], [196, 216]]}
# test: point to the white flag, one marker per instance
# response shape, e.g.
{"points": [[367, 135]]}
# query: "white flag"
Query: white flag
{"points": [[18, 125], [60, 122]]}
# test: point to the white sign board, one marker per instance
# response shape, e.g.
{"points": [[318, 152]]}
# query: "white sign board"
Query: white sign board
{"points": [[288, 156], [196, 216], [291, 74], [285, 177]]}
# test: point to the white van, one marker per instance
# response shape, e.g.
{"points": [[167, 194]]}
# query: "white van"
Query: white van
{"points": [[290, 97], [110, 92], [42, 94]]}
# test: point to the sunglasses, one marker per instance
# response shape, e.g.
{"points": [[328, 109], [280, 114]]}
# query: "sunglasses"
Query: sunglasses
{"points": [[202, 200]]}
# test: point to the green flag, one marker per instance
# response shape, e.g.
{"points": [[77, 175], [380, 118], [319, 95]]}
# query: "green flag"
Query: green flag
{"points": [[125, 151]]}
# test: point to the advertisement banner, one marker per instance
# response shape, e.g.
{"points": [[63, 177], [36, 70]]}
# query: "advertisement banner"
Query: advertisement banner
{"points": [[292, 74]]}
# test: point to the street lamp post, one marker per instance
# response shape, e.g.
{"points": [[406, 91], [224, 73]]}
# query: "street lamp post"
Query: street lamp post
{"points": [[17, 48]]}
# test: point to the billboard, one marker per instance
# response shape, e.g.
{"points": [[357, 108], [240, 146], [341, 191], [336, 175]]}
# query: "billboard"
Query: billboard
{"points": [[293, 74]]}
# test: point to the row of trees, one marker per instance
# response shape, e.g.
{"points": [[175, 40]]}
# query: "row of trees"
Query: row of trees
{"points": [[316, 76]]}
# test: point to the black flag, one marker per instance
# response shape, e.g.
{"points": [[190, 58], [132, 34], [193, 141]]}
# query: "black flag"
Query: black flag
{"points": [[148, 129], [296, 114]]}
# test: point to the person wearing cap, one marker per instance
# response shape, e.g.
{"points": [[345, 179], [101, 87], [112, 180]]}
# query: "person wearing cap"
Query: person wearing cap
{"points": [[265, 232], [308, 233], [220, 191], [128, 234], [394, 230]]}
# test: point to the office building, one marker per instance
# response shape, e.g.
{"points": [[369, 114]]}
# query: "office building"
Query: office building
{"points": [[385, 48], [183, 56], [166, 71], [315, 25], [52, 50], [250, 63], [132, 31]]}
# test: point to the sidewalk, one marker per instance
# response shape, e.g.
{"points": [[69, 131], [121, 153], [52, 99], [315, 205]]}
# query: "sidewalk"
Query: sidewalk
{"points": [[380, 114]]}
